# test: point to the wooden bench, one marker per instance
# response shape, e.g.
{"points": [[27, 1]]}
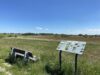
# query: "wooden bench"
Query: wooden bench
{"points": [[19, 53]]}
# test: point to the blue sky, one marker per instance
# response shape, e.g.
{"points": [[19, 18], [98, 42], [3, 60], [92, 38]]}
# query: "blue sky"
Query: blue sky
{"points": [[50, 16]]}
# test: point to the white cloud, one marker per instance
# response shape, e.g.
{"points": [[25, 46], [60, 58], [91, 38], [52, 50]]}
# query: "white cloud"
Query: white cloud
{"points": [[91, 31], [39, 28], [94, 30]]}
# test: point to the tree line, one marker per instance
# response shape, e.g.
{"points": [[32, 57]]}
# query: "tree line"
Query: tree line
{"points": [[44, 34]]}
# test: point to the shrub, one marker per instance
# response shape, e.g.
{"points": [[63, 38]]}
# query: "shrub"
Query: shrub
{"points": [[54, 69]]}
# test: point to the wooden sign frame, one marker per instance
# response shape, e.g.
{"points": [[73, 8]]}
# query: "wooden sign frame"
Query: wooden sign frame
{"points": [[76, 47]]}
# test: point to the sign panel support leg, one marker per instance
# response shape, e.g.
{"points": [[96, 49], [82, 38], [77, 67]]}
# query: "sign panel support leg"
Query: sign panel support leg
{"points": [[60, 58], [76, 55]]}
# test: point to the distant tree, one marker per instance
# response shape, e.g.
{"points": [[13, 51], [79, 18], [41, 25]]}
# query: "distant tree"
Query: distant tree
{"points": [[85, 35], [26, 34], [46, 34], [80, 34], [96, 36]]}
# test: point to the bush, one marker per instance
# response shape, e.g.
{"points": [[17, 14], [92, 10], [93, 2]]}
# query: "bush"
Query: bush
{"points": [[10, 35], [54, 69], [1, 36]]}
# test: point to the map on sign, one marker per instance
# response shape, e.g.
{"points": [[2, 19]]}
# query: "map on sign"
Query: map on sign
{"points": [[76, 47]]}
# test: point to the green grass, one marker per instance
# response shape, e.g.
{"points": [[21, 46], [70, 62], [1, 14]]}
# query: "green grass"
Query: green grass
{"points": [[88, 63]]}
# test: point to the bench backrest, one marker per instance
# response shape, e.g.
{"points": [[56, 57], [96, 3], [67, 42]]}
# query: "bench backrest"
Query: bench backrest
{"points": [[21, 52]]}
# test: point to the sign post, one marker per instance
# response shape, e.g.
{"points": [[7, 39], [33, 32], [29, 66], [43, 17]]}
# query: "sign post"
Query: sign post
{"points": [[60, 58], [76, 55], [76, 47]]}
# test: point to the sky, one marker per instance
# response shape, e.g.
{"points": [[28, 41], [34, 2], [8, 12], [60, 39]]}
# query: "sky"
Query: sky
{"points": [[50, 16]]}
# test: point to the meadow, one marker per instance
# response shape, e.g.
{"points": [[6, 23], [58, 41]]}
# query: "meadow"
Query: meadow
{"points": [[45, 48]]}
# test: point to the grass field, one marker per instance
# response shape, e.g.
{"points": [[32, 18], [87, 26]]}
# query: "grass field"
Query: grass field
{"points": [[88, 63]]}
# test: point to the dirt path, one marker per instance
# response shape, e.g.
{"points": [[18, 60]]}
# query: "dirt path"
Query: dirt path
{"points": [[3, 69]]}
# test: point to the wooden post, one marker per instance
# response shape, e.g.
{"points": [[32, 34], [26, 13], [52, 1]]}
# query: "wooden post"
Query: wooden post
{"points": [[76, 55], [60, 58]]}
